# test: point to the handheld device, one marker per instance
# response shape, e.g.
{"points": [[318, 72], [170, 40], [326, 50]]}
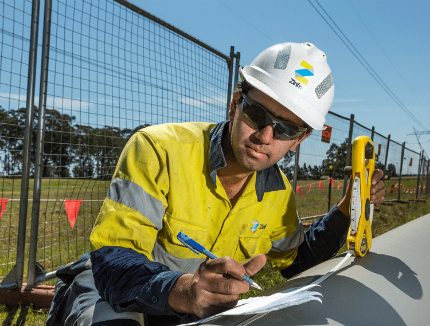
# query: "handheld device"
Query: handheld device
{"points": [[359, 237]]}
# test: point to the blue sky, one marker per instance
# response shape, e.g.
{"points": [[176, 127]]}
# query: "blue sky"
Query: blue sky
{"points": [[390, 35]]}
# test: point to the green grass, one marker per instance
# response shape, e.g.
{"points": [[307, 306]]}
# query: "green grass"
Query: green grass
{"points": [[58, 244], [20, 315]]}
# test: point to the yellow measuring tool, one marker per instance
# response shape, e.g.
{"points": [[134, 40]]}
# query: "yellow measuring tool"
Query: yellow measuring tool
{"points": [[359, 237]]}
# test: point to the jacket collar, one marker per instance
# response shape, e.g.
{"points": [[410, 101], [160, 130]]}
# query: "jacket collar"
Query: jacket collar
{"points": [[269, 179]]}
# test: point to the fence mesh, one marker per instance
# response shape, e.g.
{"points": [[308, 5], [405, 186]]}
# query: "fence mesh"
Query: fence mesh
{"points": [[15, 26], [380, 143], [314, 175], [393, 170], [111, 71], [408, 184]]}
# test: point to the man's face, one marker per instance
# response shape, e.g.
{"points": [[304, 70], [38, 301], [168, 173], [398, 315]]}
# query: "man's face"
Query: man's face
{"points": [[256, 149]]}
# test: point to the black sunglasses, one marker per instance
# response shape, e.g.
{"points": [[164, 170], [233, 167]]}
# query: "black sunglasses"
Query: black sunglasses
{"points": [[260, 118]]}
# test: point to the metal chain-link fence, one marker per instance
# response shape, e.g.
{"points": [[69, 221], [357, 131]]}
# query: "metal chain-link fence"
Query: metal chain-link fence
{"points": [[105, 69]]}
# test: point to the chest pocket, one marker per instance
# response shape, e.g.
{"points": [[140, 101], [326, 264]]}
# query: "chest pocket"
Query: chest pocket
{"points": [[168, 237], [252, 246]]}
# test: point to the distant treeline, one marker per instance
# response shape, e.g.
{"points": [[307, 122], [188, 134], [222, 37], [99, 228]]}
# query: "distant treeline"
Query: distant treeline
{"points": [[69, 150], [83, 151]]}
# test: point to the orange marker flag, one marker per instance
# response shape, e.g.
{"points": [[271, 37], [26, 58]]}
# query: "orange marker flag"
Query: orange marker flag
{"points": [[320, 185], [3, 202], [298, 190], [339, 185], [72, 209]]}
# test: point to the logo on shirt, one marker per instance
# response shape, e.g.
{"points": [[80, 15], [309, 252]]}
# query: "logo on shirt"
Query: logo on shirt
{"points": [[257, 226]]}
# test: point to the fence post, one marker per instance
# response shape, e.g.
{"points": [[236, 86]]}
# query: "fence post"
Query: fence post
{"points": [[236, 68], [420, 162], [296, 167], [14, 278], [348, 150], [424, 175], [34, 231], [330, 174], [427, 177], [386, 152], [230, 79], [400, 172]]}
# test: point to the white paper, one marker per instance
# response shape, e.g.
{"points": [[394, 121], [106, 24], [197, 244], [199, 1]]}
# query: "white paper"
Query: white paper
{"points": [[276, 301]]}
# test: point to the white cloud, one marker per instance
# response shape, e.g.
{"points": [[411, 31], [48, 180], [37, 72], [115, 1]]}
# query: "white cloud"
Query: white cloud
{"points": [[51, 101], [202, 102], [64, 102], [4, 97]]}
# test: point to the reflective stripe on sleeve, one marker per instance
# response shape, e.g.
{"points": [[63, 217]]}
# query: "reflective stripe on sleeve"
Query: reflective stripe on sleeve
{"points": [[134, 196], [188, 265], [291, 241]]}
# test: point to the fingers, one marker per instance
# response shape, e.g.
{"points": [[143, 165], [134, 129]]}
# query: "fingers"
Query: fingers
{"points": [[217, 277], [377, 191], [225, 265], [208, 303], [378, 174], [218, 283], [255, 264], [204, 293]]}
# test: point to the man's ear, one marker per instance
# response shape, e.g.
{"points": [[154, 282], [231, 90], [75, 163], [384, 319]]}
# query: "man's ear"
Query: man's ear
{"points": [[233, 104]]}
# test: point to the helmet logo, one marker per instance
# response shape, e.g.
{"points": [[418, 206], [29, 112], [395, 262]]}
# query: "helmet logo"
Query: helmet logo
{"points": [[301, 74]]}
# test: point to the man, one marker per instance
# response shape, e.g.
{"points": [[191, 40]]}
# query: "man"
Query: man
{"points": [[220, 185]]}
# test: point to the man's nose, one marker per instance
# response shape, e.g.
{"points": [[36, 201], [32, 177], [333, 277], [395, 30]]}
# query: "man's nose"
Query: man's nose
{"points": [[265, 134]]}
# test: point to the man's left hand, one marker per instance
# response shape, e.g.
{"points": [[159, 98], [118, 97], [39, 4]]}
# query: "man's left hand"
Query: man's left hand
{"points": [[377, 190]]}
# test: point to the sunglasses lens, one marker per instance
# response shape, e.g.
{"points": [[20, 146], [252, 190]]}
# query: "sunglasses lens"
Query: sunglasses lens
{"points": [[286, 131], [283, 130], [257, 115]]}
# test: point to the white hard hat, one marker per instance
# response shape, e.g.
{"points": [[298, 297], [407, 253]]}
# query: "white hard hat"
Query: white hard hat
{"points": [[297, 76]]}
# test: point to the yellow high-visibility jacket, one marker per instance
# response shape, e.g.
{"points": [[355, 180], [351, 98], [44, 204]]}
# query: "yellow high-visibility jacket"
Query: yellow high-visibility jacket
{"points": [[165, 182]]}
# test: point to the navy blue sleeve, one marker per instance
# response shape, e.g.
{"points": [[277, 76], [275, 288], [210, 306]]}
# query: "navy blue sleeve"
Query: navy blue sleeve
{"points": [[129, 281], [322, 241]]}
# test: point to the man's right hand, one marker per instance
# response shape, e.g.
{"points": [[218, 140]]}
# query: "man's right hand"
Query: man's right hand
{"points": [[214, 287]]}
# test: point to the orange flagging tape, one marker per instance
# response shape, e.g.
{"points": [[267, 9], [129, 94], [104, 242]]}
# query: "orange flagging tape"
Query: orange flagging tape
{"points": [[72, 209], [3, 203]]}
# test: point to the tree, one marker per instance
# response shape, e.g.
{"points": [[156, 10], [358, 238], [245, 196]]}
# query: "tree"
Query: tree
{"points": [[12, 124], [336, 157], [58, 139], [96, 150], [57, 153], [391, 170], [316, 172]]}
